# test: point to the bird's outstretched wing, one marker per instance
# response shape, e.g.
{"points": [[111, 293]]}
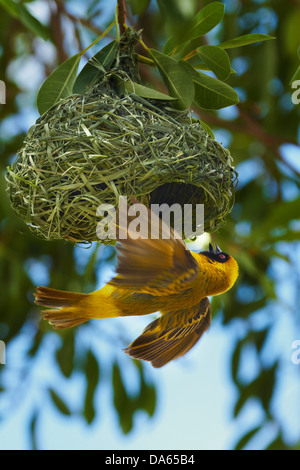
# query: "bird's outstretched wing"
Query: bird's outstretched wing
{"points": [[172, 335], [155, 266]]}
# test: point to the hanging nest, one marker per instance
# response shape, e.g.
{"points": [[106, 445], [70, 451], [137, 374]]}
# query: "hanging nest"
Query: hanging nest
{"points": [[90, 149]]}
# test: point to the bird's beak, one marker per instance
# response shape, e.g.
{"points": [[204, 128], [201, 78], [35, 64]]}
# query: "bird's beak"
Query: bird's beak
{"points": [[212, 250], [218, 249]]}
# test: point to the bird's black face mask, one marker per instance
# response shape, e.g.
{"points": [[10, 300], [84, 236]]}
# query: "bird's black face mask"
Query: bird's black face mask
{"points": [[215, 254]]}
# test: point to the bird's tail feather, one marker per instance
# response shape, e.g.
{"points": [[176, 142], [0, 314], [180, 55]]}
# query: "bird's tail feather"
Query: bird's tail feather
{"points": [[69, 309], [48, 297]]}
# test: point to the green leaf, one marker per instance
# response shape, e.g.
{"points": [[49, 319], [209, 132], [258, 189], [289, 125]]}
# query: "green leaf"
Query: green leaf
{"points": [[251, 307], [36, 342], [95, 67], [262, 388], [18, 10], [246, 438], [259, 337], [59, 84], [296, 75], [92, 378], [146, 400], [59, 403], [65, 354], [217, 60], [122, 401], [205, 20], [176, 77], [207, 129], [245, 40], [170, 45], [235, 361], [210, 93], [145, 92], [138, 6], [32, 428], [205, 68], [177, 16], [278, 444]]}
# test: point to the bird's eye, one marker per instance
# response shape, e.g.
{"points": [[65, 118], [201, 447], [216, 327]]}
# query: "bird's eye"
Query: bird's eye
{"points": [[222, 256]]}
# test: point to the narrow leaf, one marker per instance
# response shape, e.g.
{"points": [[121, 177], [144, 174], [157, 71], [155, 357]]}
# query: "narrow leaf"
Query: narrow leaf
{"points": [[145, 92], [170, 45], [36, 342], [245, 40], [235, 361], [95, 67], [65, 355], [32, 428], [146, 399], [92, 378], [205, 20], [246, 438], [138, 6], [217, 60], [59, 84], [278, 444], [59, 403], [207, 129], [122, 402], [296, 76], [205, 68], [211, 93], [176, 77], [18, 10]]}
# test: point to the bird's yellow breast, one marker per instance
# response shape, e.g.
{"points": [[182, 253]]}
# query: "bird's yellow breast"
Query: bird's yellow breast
{"points": [[217, 277]]}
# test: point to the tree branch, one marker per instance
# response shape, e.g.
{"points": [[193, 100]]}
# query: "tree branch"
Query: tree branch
{"points": [[122, 15]]}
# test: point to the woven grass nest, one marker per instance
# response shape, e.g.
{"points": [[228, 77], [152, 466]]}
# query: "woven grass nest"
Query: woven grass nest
{"points": [[89, 149]]}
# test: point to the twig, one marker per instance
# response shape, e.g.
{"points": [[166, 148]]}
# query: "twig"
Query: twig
{"points": [[56, 30], [122, 15]]}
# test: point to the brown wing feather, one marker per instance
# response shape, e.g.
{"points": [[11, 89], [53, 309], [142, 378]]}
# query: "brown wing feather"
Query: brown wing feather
{"points": [[162, 265], [166, 338]]}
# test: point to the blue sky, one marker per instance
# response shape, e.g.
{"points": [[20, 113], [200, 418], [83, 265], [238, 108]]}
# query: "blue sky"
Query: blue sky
{"points": [[194, 401], [195, 394]]}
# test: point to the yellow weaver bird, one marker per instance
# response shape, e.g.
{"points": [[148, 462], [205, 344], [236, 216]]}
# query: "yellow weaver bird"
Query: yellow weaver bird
{"points": [[160, 275]]}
